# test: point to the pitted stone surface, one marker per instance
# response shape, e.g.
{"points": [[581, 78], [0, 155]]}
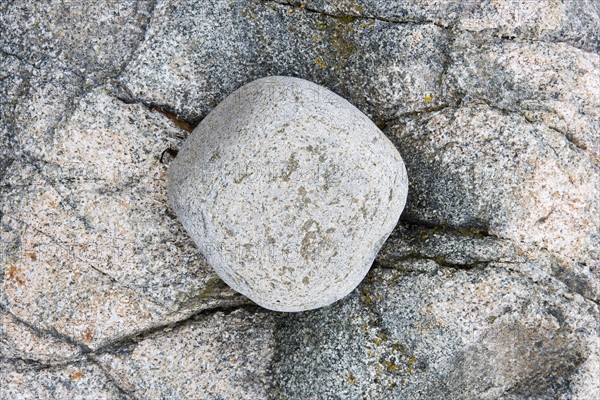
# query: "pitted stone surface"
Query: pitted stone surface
{"points": [[488, 288], [289, 191]]}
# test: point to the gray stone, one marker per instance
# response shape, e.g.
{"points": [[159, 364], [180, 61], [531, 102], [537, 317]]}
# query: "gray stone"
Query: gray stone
{"points": [[574, 22], [488, 287], [18, 341], [289, 191], [551, 84], [218, 356], [92, 40], [383, 68], [477, 333], [79, 380], [479, 169], [78, 207]]}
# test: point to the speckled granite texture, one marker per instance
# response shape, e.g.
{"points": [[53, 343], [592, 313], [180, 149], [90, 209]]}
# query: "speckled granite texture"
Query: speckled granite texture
{"points": [[487, 289], [289, 192]]}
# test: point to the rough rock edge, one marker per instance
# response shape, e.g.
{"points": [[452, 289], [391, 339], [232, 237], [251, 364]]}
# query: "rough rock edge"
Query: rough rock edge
{"points": [[125, 343], [107, 80], [451, 28], [525, 252], [122, 93], [301, 6]]}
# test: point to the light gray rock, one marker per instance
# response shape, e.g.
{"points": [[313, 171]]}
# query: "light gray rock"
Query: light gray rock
{"points": [[477, 333], [77, 212], [575, 21], [383, 68], [80, 380], [289, 191], [551, 84], [218, 356], [476, 168], [481, 291]]}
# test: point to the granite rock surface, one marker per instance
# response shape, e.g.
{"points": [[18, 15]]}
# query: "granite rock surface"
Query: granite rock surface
{"points": [[487, 288]]}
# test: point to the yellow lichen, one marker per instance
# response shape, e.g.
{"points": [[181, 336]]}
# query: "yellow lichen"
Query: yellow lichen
{"points": [[340, 38], [320, 63], [390, 366]]}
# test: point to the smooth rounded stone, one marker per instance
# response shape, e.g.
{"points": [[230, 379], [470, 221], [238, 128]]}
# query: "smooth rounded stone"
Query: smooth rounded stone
{"points": [[289, 191]]}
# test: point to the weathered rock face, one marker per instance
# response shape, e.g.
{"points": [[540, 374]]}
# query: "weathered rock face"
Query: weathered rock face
{"points": [[289, 191], [210, 356], [414, 334], [488, 287]]}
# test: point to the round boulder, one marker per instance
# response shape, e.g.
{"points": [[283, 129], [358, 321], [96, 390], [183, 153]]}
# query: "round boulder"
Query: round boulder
{"points": [[289, 191]]}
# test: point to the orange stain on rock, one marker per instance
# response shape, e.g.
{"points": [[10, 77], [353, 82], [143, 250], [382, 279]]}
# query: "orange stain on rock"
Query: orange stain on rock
{"points": [[88, 335], [77, 375], [14, 274]]}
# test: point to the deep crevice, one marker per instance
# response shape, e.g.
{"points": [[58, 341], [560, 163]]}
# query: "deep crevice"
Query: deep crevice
{"points": [[439, 260], [111, 378], [126, 344], [47, 332], [351, 18], [475, 231], [187, 125]]}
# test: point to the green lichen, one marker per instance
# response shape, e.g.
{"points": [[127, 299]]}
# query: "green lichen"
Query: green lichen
{"points": [[341, 37], [250, 11], [212, 287], [345, 19], [320, 63], [391, 360], [335, 39]]}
